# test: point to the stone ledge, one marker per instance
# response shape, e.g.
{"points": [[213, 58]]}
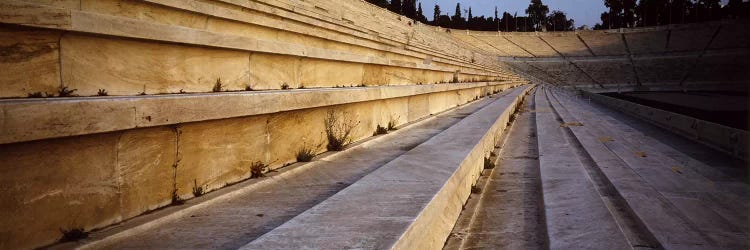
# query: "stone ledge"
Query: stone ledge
{"points": [[726, 139], [35, 119], [13, 12], [411, 202]]}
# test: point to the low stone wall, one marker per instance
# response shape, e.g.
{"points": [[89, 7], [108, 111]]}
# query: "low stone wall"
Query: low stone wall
{"points": [[730, 140]]}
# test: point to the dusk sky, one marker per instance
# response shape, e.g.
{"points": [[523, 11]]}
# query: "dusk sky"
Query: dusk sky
{"points": [[582, 11]]}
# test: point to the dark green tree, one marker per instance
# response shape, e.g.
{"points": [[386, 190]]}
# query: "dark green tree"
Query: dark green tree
{"points": [[409, 9], [507, 23], [470, 22], [436, 14], [537, 12], [379, 3], [395, 6], [457, 21], [614, 18], [558, 21], [736, 9], [420, 14]]}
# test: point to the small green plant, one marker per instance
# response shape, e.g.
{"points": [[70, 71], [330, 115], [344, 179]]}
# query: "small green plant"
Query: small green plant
{"points": [[176, 200], [284, 86], [380, 130], [392, 123], [218, 86], [248, 88], [488, 164], [35, 95], [476, 190], [197, 190], [102, 92], [64, 91], [339, 128], [258, 169], [73, 234], [305, 154]]}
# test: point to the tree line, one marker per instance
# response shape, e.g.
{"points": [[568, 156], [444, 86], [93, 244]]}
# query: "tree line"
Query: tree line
{"points": [[633, 13], [538, 17], [621, 14]]}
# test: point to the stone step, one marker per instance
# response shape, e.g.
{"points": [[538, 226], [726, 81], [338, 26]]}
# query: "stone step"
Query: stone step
{"points": [[233, 216], [507, 213], [576, 211], [682, 201], [411, 202]]}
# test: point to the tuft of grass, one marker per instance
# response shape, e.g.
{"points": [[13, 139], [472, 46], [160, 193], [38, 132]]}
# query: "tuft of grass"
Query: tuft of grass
{"points": [[488, 164], [64, 91], [218, 86], [302, 86], [35, 95], [248, 88], [176, 200], [102, 92], [380, 130], [339, 128], [258, 169], [73, 234], [197, 190], [305, 154], [392, 124], [284, 86], [362, 85], [476, 190]]}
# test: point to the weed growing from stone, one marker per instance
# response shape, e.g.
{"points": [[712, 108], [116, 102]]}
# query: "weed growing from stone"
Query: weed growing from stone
{"points": [[284, 86], [64, 91], [248, 88], [218, 86], [339, 128], [476, 190], [305, 154], [197, 190], [392, 123], [73, 234], [35, 95], [488, 164], [102, 92], [380, 130], [176, 200], [258, 169]]}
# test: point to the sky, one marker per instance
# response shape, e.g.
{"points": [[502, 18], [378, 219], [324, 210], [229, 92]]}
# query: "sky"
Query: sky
{"points": [[582, 11]]}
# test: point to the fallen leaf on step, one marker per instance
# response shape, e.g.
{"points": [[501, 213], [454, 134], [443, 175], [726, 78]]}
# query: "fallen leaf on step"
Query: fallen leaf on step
{"points": [[605, 139], [676, 169], [640, 154], [571, 124]]}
